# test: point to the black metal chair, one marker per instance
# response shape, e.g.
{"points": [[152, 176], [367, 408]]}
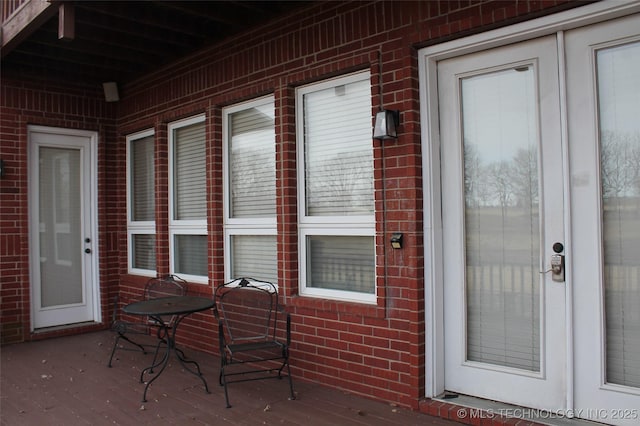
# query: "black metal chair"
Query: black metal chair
{"points": [[165, 286], [248, 328]]}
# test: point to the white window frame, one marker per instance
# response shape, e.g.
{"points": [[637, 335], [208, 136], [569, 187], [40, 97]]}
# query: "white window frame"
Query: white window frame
{"points": [[233, 226], [355, 225], [182, 227], [137, 227]]}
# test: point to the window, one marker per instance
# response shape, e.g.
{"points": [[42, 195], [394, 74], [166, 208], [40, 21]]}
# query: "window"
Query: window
{"points": [[188, 199], [335, 184], [250, 190], [141, 225]]}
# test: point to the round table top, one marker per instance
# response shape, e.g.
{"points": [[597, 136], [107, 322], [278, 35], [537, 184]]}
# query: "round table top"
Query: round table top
{"points": [[173, 305]]}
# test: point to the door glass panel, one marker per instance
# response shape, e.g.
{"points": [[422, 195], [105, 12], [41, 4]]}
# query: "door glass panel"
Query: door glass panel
{"points": [[60, 232], [502, 228], [619, 108]]}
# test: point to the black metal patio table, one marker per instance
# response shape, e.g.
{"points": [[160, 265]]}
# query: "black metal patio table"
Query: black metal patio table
{"points": [[177, 307]]}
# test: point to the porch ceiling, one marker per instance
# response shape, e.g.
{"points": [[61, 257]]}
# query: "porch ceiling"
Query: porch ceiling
{"points": [[123, 40]]}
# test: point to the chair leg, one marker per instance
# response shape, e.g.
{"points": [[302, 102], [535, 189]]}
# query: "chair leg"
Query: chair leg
{"points": [[142, 348], [115, 346], [226, 391], [223, 380], [113, 350], [293, 395]]}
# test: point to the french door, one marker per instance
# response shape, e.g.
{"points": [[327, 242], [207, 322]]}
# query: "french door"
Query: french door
{"points": [[540, 194], [503, 211], [64, 285], [604, 63]]}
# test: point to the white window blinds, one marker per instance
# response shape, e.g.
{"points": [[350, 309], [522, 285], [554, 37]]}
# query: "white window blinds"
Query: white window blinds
{"points": [[188, 199], [255, 256], [338, 150], [144, 251], [619, 107], [252, 172], [343, 263], [142, 179], [336, 189], [190, 255], [501, 223], [250, 190], [190, 173], [141, 203]]}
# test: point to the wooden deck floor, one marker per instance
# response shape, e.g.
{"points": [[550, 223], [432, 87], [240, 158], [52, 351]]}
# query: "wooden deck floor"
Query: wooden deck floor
{"points": [[65, 381]]}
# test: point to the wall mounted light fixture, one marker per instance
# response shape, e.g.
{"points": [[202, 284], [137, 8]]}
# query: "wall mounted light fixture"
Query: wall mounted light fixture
{"points": [[396, 240], [2, 168], [111, 91], [386, 126]]}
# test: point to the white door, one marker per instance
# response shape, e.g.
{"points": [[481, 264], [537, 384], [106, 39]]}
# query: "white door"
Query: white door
{"points": [[62, 227], [503, 204], [603, 87]]}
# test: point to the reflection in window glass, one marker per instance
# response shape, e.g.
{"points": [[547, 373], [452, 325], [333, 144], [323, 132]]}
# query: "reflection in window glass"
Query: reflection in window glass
{"points": [[338, 157], [501, 218], [252, 159], [619, 109]]}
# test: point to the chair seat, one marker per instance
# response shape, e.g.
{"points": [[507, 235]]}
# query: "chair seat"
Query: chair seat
{"points": [[255, 346], [130, 327]]}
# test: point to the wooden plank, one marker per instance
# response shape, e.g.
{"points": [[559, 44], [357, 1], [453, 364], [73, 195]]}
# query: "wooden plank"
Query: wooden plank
{"points": [[66, 381], [31, 15]]}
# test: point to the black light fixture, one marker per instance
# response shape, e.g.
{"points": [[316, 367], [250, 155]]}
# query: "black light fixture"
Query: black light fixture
{"points": [[2, 168], [386, 126], [396, 240]]}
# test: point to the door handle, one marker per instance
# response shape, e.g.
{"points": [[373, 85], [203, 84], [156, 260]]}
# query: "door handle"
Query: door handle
{"points": [[87, 250]]}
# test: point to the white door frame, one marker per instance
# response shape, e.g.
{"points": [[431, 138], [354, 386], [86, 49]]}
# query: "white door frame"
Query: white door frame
{"points": [[427, 62], [90, 274]]}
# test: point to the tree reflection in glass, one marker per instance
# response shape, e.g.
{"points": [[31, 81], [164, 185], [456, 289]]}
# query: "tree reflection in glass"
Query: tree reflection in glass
{"points": [[502, 228]]}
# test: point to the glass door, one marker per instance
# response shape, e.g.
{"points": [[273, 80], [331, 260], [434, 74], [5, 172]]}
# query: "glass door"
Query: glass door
{"points": [[603, 63], [503, 203], [62, 228]]}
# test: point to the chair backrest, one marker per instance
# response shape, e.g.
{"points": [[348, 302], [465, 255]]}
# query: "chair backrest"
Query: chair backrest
{"points": [[166, 286], [248, 309]]}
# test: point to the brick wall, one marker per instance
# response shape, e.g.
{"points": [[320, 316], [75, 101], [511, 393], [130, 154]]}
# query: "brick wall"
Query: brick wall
{"points": [[31, 103], [377, 351]]}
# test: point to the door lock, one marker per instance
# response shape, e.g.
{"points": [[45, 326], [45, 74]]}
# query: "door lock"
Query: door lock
{"points": [[557, 263]]}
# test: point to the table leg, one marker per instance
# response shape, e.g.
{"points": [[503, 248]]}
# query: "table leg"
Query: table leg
{"points": [[163, 363], [196, 372], [169, 338]]}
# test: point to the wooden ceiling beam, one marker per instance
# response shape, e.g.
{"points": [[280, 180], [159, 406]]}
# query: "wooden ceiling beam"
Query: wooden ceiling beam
{"points": [[66, 21]]}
